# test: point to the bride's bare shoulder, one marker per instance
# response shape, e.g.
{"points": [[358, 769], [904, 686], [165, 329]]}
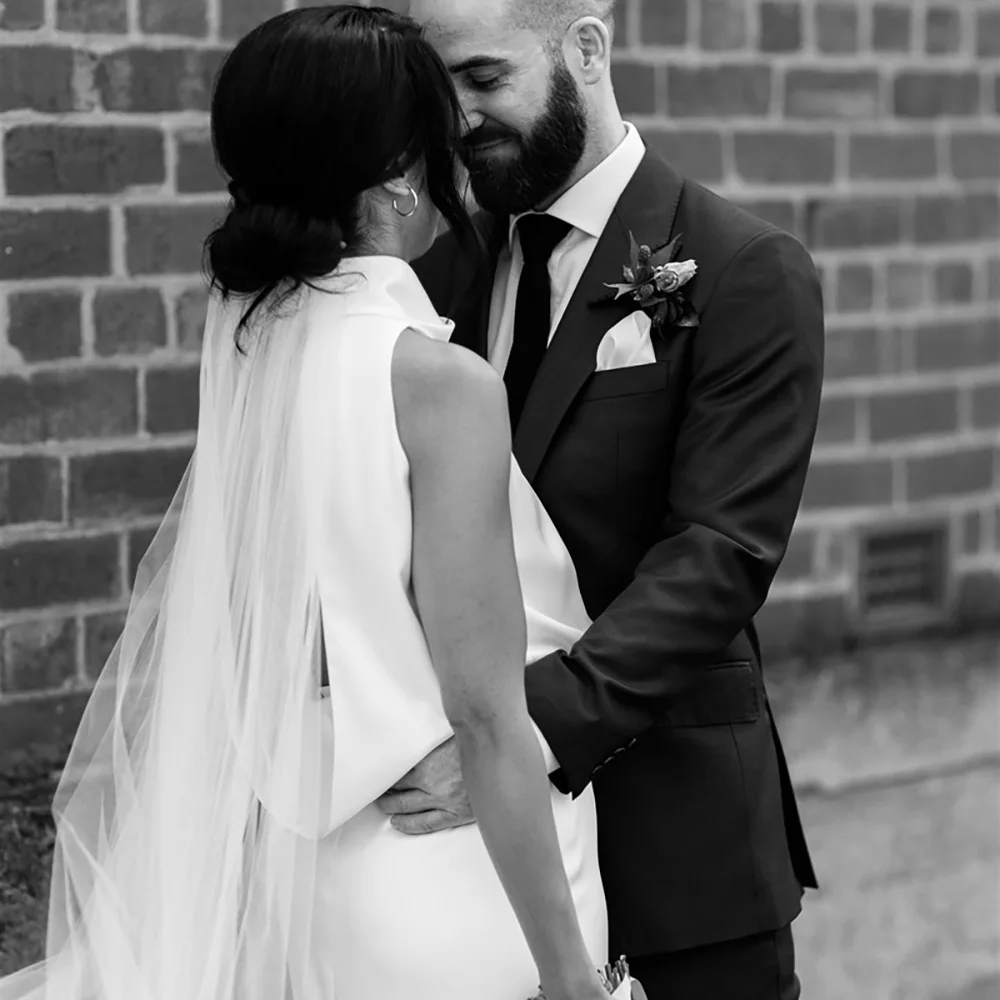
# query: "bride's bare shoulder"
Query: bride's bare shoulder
{"points": [[446, 394]]}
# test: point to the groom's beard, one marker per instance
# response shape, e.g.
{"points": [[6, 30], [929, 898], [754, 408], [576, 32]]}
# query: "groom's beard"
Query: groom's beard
{"points": [[545, 158]]}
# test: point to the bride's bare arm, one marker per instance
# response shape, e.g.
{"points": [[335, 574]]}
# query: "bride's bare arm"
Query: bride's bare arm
{"points": [[451, 410]]}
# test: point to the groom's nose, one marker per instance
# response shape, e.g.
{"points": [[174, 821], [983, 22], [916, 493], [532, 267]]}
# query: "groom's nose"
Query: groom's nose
{"points": [[472, 120]]}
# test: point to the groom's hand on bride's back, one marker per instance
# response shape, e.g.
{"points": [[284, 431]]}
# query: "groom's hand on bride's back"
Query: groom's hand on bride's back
{"points": [[431, 797]]}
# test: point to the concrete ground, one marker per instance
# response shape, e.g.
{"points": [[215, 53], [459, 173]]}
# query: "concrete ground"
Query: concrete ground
{"points": [[897, 758]]}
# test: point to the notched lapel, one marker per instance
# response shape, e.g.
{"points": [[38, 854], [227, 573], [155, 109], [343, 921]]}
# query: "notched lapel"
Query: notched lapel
{"points": [[647, 208]]}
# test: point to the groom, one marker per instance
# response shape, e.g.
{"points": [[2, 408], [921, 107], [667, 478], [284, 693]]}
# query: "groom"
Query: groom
{"points": [[673, 474]]}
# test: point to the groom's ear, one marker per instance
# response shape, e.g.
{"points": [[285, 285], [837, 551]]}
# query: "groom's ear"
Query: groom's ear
{"points": [[587, 48]]}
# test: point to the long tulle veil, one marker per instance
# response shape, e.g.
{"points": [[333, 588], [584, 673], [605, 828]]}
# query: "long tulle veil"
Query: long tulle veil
{"points": [[199, 784]]}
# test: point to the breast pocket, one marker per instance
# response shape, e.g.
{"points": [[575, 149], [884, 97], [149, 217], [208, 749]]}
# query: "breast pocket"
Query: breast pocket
{"points": [[635, 380]]}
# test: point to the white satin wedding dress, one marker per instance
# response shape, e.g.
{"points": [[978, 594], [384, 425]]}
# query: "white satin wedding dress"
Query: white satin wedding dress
{"points": [[217, 838], [423, 918]]}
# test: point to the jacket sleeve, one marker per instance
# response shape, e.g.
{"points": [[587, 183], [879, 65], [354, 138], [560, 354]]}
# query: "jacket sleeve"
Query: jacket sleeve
{"points": [[736, 481]]}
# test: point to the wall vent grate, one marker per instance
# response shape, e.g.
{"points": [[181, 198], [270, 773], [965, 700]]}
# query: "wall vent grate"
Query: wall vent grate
{"points": [[903, 571]]}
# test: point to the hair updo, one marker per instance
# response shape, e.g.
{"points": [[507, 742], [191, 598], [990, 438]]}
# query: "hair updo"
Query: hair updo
{"points": [[310, 110]]}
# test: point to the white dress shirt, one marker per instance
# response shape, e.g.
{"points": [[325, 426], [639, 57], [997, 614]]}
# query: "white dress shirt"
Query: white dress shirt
{"points": [[587, 206]]}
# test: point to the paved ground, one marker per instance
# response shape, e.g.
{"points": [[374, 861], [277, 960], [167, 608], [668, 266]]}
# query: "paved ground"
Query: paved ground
{"points": [[898, 759]]}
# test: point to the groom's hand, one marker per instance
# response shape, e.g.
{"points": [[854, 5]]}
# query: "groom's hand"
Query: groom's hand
{"points": [[431, 797]]}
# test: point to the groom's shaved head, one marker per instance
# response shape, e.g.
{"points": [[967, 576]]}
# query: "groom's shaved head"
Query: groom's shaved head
{"points": [[552, 17]]}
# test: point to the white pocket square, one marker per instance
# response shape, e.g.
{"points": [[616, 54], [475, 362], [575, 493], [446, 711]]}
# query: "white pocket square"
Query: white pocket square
{"points": [[627, 344]]}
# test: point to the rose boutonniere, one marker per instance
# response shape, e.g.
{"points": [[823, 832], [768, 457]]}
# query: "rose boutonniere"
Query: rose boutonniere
{"points": [[655, 278]]}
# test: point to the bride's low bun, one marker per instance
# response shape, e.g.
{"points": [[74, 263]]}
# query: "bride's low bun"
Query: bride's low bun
{"points": [[261, 247]]}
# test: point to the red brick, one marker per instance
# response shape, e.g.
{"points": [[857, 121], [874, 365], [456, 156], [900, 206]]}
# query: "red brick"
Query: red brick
{"points": [[976, 600], [129, 321], [39, 656], [724, 24], [844, 223], [892, 27], [696, 153], [949, 346], [836, 27], [718, 91], [125, 483], [30, 490], [780, 26], [100, 636], [635, 87], [59, 159], [664, 24], [174, 17], [168, 239], [882, 157], [138, 542], [22, 15], [54, 243], [22, 420], [986, 405], [958, 218], [93, 403], [44, 325], [853, 352], [975, 155], [988, 33], [953, 282], [785, 157], [942, 31], [780, 212], [855, 288], [150, 80], [906, 284], [864, 482], [993, 279], [904, 415], [63, 406], [957, 472], [39, 78], [838, 420], [197, 171], [190, 313], [936, 94], [238, 17], [58, 571], [972, 531], [832, 93], [800, 561], [97, 16], [172, 399]]}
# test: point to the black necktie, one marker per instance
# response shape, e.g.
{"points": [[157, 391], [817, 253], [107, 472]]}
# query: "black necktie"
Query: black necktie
{"points": [[540, 234]]}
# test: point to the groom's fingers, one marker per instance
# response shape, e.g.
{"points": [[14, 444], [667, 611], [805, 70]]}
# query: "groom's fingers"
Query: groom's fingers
{"points": [[433, 821], [409, 800]]}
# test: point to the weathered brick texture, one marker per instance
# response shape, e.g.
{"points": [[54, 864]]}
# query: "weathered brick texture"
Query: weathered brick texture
{"points": [[869, 129]]}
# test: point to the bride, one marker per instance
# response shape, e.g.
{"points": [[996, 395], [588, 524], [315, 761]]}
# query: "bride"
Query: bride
{"points": [[352, 571]]}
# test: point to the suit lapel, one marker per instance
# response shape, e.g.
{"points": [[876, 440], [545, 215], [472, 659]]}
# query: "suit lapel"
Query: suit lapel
{"points": [[647, 207]]}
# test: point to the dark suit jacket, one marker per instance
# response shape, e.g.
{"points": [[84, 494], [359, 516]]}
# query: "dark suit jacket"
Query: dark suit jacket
{"points": [[675, 486]]}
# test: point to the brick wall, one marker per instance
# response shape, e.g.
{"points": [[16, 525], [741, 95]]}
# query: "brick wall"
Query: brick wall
{"points": [[869, 129]]}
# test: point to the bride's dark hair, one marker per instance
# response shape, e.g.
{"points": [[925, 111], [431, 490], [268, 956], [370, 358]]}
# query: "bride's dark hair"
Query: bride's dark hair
{"points": [[311, 109]]}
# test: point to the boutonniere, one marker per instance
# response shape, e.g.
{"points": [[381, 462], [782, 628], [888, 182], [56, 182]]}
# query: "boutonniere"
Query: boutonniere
{"points": [[655, 278]]}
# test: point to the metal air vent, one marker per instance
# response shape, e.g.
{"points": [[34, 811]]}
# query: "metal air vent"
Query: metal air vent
{"points": [[903, 573]]}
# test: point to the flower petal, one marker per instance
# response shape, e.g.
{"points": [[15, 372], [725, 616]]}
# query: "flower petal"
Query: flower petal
{"points": [[633, 251]]}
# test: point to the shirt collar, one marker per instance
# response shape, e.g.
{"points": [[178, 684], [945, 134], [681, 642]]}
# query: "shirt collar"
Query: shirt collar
{"points": [[589, 204]]}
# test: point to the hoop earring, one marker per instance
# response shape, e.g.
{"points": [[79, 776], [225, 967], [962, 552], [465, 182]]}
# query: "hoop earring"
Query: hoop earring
{"points": [[416, 204]]}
